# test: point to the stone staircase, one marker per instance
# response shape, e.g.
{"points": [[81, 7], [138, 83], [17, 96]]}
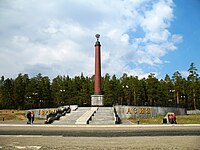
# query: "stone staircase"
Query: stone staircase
{"points": [[70, 119], [104, 116]]}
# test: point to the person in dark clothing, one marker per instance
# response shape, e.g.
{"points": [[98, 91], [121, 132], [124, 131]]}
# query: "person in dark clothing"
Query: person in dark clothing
{"points": [[28, 117], [32, 117]]}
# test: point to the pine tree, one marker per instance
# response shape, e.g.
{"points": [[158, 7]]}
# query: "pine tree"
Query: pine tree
{"points": [[177, 84], [193, 79], [152, 89], [20, 84]]}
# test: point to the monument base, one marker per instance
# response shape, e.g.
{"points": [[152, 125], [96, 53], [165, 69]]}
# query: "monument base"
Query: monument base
{"points": [[96, 100]]}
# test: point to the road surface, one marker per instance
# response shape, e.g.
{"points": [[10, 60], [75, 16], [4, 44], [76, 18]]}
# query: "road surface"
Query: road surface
{"points": [[41, 137], [100, 130]]}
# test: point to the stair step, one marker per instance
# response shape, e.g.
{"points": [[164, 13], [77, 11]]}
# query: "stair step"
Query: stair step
{"points": [[70, 119], [103, 116]]}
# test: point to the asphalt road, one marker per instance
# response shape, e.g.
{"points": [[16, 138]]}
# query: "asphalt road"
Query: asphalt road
{"points": [[52, 137], [100, 131]]}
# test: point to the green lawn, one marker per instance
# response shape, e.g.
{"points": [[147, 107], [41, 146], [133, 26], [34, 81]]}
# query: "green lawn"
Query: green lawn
{"points": [[185, 119]]}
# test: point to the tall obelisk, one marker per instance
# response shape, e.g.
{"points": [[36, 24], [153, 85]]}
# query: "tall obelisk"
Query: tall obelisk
{"points": [[97, 98]]}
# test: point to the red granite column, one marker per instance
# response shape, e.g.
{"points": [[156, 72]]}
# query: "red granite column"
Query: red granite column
{"points": [[97, 81], [97, 98]]}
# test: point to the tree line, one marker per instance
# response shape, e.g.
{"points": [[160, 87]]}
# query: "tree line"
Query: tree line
{"points": [[40, 92]]}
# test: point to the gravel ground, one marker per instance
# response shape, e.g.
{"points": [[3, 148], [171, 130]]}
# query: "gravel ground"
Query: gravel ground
{"points": [[100, 143]]}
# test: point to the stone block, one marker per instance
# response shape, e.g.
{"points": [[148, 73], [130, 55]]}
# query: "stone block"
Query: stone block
{"points": [[96, 100]]}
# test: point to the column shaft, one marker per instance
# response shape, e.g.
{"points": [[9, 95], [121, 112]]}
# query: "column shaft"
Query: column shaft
{"points": [[97, 82]]}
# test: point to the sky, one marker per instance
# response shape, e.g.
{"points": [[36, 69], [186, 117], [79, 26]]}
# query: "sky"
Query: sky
{"points": [[138, 37]]}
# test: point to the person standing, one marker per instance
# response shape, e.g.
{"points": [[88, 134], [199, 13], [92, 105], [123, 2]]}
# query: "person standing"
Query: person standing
{"points": [[28, 117], [175, 118], [171, 119], [32, 117]]}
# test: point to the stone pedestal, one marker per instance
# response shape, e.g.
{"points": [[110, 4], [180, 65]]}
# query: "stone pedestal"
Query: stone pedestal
{"points": [[96, 100]]}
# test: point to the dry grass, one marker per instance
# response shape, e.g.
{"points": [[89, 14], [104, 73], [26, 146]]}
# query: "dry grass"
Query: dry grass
{"points": [[189, 119], [185, 119], [12, 115], [152, 120]]}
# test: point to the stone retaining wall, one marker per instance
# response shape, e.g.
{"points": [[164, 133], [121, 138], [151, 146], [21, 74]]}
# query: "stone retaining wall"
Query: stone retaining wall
{"points": [[193, 112], [144, 111], [42, 113]]}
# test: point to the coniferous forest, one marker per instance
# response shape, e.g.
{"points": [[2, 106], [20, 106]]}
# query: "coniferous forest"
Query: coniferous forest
{"points": [[40, 92]]}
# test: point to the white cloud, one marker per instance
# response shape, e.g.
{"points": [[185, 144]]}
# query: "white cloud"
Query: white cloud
{"points": [[185, 74], [57, 37], [177, 38], [159, 36], [139, 72], [159, 17]]}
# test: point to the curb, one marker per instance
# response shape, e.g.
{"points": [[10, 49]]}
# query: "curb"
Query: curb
{"points": [[100, 126]]}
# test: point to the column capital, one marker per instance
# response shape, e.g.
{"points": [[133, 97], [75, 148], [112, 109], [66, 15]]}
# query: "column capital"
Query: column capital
{"points": [[97, 42]]}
